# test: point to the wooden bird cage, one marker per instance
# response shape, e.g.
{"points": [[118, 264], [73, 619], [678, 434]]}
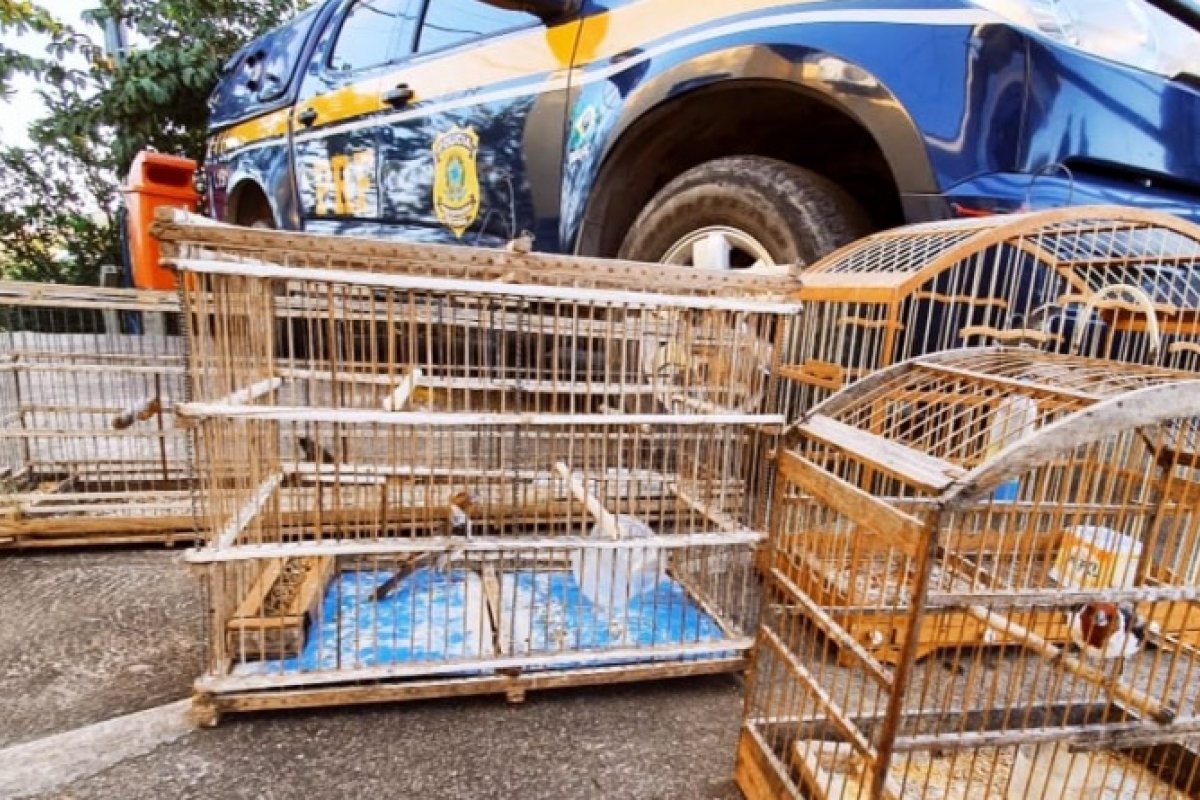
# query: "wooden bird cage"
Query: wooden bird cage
{"points": [[187, 236], [1104, 281], [89, 451], [939, 529], [448, 485]]}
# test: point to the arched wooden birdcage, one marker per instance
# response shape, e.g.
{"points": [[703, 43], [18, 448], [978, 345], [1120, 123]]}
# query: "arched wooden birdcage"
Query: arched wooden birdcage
{"points": [[89, 450], [982, 582], [1104, 281]]}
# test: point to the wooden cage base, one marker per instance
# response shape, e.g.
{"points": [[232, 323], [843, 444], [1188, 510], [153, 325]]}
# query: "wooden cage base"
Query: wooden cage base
{"points": [[82, 532], [757, 772], [762, 774], [207, 708]]}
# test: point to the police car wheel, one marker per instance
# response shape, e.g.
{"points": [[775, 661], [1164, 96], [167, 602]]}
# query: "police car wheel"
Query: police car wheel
{"points": [[745, 212]]}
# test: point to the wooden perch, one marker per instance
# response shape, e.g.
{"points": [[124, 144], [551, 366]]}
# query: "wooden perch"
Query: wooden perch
{"points": [[1017, 335], [1027, 638], [604, 518], [139, 412], [398, 400]]}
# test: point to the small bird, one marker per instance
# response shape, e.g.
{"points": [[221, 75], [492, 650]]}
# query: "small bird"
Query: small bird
{"points": [[137, 413], [315, 451], [458, 521], [522, 244], [463, 505], [1107, 630]]}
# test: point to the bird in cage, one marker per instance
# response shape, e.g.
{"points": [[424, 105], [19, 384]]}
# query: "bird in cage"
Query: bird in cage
{"points": [[315, 451], [463, 504], [1107, 631]]}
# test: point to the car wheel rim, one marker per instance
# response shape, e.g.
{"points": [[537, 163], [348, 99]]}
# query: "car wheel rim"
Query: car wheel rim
{"points": [[724, 248]]}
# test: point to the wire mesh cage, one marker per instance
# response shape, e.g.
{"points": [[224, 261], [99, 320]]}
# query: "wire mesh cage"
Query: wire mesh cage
{"points": [[89, 450], [982, 583], [1104, 281], [454, 485]]}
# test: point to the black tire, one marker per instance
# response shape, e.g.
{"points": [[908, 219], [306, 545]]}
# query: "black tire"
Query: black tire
{"points": [[253, 211], [796, 215]]}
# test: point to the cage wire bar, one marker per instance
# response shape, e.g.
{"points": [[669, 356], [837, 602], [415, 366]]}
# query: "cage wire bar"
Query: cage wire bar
{"points": [[450, 485], [1104, 281], [983, 583], [89, 450]]}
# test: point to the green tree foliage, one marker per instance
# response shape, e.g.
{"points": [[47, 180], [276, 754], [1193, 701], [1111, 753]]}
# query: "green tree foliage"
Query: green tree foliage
{"points": [[55, 224], [59, 198]]}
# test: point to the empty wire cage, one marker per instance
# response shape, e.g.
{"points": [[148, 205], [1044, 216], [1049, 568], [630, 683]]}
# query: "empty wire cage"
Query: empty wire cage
{"points": [[474, 485], [982, 583], [1103, 281], [89, 450]]}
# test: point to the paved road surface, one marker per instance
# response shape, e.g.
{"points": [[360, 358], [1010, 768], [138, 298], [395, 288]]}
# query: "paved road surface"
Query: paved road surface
{"points": [[85, 637]]}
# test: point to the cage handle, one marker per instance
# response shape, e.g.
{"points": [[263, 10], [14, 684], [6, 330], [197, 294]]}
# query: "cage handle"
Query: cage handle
{"points": [[1046, 169], [1140, 297]]}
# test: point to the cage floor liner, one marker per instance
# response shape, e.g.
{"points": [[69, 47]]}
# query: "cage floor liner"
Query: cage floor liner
{"points": [[434, 617]]}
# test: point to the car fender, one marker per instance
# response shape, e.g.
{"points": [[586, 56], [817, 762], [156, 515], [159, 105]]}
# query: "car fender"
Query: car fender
{"points": [[822, 77]]}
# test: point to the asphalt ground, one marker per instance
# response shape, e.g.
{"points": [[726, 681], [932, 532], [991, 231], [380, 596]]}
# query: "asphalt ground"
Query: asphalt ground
{"points": [[89, 636]]}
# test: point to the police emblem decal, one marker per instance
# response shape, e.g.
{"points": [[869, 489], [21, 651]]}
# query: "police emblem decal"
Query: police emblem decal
{"points": [[455, 179]]}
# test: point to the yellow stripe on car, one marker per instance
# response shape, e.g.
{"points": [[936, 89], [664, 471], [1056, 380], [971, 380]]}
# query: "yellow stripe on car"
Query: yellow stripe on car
{"points": [[485, 65]]}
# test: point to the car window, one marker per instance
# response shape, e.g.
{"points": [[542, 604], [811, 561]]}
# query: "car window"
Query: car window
{"points": [[374, 32], [286, 44], [450, 22]]}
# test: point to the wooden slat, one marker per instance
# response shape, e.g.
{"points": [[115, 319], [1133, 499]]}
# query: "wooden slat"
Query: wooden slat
{"points": [[895, 528], [573, 659], [501, 639], [398, 399], [759, 774], [881, 674], [903, 463], [604, 518], [817, 373], [831, 708], [1010, 335], [316, 697], [1021, 385]]}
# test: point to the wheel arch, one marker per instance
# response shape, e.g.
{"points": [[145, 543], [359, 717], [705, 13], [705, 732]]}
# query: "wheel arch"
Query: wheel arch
{"points": [[247, 200], [832, 100]]}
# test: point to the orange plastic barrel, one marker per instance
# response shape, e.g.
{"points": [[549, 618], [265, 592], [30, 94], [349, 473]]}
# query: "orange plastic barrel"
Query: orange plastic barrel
{"points": [[155, 180]]}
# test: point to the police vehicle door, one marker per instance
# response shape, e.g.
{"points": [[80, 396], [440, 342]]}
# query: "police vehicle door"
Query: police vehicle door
{"points": [[338, 109], [475, 153]]}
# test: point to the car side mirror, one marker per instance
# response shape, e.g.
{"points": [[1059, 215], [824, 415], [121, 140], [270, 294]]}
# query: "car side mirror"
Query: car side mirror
{"points": [[548, 10]]}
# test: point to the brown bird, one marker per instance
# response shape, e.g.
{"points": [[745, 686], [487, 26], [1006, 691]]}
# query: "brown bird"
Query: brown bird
{"points": [[138, 413], [462, 506], [1107, 630]]}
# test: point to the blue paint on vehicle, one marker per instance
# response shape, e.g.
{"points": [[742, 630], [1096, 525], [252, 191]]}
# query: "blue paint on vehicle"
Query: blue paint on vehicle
{"points": [[964, 114]]}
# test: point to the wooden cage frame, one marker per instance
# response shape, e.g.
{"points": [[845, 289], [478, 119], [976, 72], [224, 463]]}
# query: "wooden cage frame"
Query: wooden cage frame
{"points": [[837, 677], [1009, 279], [271, 512], [85, 396]]}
